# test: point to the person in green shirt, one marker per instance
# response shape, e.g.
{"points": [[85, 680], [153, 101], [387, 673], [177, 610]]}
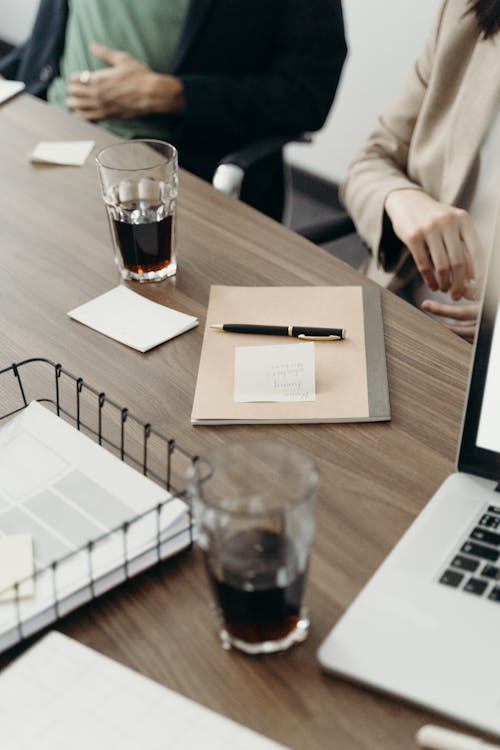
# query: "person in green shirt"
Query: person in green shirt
{"points": [[96, 33], [210, 76]]}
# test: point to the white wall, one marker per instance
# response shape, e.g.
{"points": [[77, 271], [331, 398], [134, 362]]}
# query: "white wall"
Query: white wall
{"points": [[16, 17], [384, 38]]}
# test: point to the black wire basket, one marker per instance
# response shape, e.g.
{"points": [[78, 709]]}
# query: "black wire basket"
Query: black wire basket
{"points": [[134, 442]]}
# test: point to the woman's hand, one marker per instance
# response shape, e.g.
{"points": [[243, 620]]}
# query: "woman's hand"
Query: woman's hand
{"points": [[127, 88], [441, 239], [465, 316]]}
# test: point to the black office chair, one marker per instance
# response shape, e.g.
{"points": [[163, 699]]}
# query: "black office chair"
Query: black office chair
{"points": [[337, 235], [332, 229], [230, 172], [229, 175]]}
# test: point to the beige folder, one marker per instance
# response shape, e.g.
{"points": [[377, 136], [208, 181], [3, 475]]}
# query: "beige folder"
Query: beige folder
{"points": [[351, 375]]}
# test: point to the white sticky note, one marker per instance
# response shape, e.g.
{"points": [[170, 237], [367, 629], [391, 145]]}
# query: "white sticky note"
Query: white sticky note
{"points": [[8, 89], [67, 153], [132, 319], [16, 566], [275, 373]]}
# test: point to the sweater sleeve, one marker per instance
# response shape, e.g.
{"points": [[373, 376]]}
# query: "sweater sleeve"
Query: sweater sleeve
{"points": [[9, 64], [36, 61], [293, 94], [381, 166]]}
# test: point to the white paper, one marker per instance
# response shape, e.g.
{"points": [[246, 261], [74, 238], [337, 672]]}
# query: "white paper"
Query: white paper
{"points": [[75, 491], [61, 694], [125, 316], [8, 89], [275, 373], [16, 566], [67, 153]]}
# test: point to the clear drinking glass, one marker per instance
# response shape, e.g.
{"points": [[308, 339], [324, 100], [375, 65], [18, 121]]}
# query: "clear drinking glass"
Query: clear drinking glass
{"points": [[139, 183], [253, 507]]}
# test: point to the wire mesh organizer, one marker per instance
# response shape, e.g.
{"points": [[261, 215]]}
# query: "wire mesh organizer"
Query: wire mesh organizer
{"points": [[131, 440]]}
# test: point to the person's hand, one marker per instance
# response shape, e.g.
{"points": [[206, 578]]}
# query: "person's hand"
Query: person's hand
{"points": [[126, 89], [441, 239], [465, 316]]}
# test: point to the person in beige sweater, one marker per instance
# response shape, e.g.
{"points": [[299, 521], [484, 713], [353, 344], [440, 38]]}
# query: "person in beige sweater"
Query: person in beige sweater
{"points": [[424, 191]]}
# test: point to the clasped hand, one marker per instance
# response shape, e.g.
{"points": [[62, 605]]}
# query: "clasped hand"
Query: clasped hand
{"points": [[117, 91], [125, 89]]}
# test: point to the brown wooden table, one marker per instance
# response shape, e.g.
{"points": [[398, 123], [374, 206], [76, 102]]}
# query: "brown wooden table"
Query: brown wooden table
{"points": [[55, 254]]}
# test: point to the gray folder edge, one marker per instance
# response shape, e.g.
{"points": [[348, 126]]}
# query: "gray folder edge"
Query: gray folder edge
{"points": [[376, 365]]}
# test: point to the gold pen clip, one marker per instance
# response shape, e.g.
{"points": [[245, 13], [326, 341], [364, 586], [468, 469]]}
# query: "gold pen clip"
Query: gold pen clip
{"points": [[319, 338]]}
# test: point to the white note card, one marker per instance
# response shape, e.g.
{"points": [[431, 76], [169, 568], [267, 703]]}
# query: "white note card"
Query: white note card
{"points": [[8, 89], [275, 373], [66, 153], [132, 319], [16, 566]]}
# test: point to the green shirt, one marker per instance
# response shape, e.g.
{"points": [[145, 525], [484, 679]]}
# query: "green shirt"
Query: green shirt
{"points": [[148, 29]]}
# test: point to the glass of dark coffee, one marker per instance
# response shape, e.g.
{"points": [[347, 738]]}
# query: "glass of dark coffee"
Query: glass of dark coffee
{"points": [[139, 183], [253, 507]]}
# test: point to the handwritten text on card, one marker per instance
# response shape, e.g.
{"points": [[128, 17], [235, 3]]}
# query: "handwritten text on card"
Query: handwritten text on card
{"points": [[275, 373]]}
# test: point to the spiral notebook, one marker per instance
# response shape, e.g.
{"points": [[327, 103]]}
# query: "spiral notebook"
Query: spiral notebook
{"points": [[350, 375]]}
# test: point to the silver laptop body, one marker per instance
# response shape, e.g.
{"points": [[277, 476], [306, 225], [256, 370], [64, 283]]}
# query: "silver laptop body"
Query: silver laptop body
{"points": [[426, 627]]}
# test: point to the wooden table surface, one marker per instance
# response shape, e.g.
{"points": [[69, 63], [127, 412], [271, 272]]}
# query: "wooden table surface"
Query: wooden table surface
{"points": [[56, 254]]}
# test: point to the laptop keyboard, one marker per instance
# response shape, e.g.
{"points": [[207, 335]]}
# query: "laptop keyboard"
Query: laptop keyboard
{"points": [[475, 567]]}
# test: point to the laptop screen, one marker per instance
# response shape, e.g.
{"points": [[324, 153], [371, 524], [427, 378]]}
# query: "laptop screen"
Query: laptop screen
{"points": [[480, 445]]}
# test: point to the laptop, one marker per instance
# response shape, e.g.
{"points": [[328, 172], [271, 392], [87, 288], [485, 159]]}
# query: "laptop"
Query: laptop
{"points": [[426, 627]]}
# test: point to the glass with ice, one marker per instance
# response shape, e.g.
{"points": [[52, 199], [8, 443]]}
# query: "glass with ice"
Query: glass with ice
{"points": [[139, 183]]}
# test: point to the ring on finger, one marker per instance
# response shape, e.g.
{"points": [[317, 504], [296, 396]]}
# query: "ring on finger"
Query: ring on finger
{"points": [[84, 77]]}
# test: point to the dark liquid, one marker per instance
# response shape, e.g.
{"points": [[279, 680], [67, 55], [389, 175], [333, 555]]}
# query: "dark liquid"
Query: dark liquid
{"points": [[259, 607], [144, 247]]}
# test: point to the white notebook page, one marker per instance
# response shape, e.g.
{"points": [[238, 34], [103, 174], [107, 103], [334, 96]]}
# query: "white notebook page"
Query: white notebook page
{"points": [[61, 695]]}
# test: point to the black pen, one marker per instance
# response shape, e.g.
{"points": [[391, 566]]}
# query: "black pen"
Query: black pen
{"points": [[309, 333]]}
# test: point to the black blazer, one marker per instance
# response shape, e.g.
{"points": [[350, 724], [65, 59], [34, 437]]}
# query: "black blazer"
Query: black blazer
{"points": [[250, 69]]}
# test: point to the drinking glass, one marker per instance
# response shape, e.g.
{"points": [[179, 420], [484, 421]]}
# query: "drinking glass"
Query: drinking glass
{"points": [[139, 184], [253, 505]]}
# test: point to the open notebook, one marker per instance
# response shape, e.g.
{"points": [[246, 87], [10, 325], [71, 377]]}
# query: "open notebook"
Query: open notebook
{"points": [[61, 695], [66, 491], [351, 375]]}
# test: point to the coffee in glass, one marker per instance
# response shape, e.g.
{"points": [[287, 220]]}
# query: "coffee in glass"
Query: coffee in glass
{"points": [[139, 183], [253, 506]]}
